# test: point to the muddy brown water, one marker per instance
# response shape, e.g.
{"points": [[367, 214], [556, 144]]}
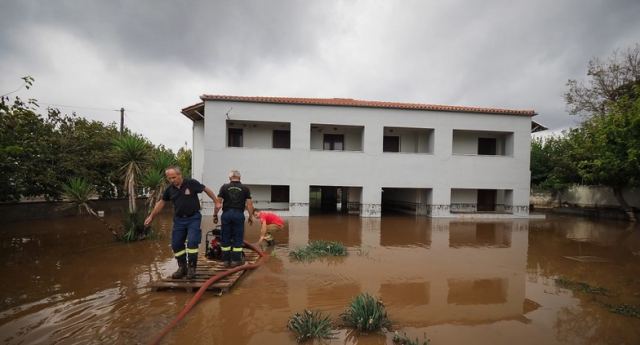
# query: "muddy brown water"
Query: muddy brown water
{"points": [[459, 282]]}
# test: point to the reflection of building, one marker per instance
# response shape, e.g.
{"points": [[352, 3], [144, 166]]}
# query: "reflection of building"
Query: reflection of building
{"points": [[365, 157], [468, 273]]}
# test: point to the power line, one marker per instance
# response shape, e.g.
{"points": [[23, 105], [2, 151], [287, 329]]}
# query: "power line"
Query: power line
{"points": [[77, 107]]}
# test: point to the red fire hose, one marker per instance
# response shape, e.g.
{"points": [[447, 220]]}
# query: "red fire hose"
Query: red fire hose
{"points": [[204, 287]]}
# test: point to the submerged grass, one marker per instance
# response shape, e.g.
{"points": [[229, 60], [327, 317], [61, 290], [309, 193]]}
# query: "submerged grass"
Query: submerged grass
{"points": [[581, 287], [310, 324], [405, 340], [625, 310], [366, 314], [317, 249]]}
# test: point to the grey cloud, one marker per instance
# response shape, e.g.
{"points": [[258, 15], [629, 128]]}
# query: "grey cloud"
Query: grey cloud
{"points": [[161, 55]]}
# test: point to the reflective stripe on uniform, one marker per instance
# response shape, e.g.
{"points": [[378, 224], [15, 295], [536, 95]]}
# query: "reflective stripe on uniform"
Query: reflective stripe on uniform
{"points": [[180, 253], [192, 250], [237, 249], [225, 249]]}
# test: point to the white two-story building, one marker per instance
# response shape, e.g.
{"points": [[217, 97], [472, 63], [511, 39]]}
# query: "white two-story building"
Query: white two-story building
{"points": [[300, 156]]}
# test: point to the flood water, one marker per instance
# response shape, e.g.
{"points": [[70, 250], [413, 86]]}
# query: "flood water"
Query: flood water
{"points": [[459, 282]]}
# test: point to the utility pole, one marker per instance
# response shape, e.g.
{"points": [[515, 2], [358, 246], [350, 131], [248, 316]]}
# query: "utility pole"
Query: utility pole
{"points": [[121, 120]]}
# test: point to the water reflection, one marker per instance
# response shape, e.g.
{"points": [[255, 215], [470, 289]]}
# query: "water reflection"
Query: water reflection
{"points": [[402, 232], [471, 234], [478, 291], [487, 282]]}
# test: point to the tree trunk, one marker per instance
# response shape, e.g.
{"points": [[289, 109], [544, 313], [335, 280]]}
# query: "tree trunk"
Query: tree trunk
{"points": [[617, 192]]}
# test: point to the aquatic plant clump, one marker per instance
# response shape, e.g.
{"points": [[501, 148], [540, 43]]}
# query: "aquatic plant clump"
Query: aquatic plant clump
{"points": [[581, 287], [317, 249], [310, 324], [366, 314], [405, 340], [625, 310]]}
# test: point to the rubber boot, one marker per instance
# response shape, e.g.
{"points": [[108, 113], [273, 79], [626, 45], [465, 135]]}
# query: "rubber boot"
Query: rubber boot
{"points": [[226, 259], [237, 259], [182, 269], [191, 271]]}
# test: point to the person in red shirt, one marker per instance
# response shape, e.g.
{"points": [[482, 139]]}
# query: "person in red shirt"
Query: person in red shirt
{"points": [[269, 221]]}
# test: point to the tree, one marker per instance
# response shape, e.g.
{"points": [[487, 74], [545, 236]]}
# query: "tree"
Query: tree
{"points": [[133, 152], [608, 81], [609, 149], [154, 177], [38, 153], [553, 165], [184, 161]]}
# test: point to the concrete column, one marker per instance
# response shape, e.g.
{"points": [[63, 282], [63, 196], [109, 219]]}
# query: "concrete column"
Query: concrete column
{"points": [[520, 202], [370, 233], [298, 199], [443, 142], [300, 135], [371, 201], [441, 201], [372, 141]]}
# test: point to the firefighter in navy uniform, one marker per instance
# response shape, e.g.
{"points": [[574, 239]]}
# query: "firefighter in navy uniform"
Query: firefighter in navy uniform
{"points": [[183, 192], [235, 197]]}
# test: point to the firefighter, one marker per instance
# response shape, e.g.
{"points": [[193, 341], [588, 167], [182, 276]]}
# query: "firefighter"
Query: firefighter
{"points": [[235, 197], [183, 192]]}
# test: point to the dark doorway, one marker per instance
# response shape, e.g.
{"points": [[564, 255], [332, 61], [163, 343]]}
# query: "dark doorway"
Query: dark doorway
{"points": [[391, 143], [281, 139], [333, 142], [328, 199], [487, 200], [234, 136], [487, 146]]}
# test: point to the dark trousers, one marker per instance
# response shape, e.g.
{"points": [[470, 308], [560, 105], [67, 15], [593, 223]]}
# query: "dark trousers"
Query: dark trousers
{"points": [[186, 229], [232, 234]]}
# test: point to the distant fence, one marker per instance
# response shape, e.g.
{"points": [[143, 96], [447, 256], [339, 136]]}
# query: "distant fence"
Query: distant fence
{"points": [[586, 196], [24, 211]]}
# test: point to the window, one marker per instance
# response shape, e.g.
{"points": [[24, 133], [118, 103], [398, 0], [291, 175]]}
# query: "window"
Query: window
{"points": [[279, 193], [333, 142], [391, 144], [281, 139], [487, 146], [235, 137]]}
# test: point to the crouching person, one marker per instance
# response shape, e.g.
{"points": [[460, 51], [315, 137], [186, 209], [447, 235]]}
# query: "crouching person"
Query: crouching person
{"points": [[183, 193], [269, 222]]}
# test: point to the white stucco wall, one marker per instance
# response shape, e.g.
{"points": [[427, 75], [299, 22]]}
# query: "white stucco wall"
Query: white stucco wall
{"points": [[261, 196], [371, 169], [197, 153], [256, 134], [352, 136], [466, 142]]}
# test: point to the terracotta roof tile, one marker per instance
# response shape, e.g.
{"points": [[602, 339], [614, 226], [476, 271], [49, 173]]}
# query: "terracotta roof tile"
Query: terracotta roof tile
{"points": [[348, 102]]}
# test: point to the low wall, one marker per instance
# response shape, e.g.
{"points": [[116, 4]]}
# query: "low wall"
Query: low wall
{"points": [[589, 201], [24, 211], [587, 196]]}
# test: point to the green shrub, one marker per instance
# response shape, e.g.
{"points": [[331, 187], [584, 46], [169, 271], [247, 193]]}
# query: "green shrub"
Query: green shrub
{"points": [[405, 340], [366, 313], [582, 287], [310, 324], [625, 310], [316, 249], [133, 227]]}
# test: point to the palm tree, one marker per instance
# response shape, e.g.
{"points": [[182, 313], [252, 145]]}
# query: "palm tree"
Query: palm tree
{"points": [[78, 191], [133, 151], [154, 178]]}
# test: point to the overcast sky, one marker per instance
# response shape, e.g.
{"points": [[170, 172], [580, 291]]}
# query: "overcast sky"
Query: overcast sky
{"points": [[155, 57]]}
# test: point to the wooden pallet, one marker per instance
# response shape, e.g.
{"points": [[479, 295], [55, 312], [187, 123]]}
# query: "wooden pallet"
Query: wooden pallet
{"points": [[205, 270]]}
